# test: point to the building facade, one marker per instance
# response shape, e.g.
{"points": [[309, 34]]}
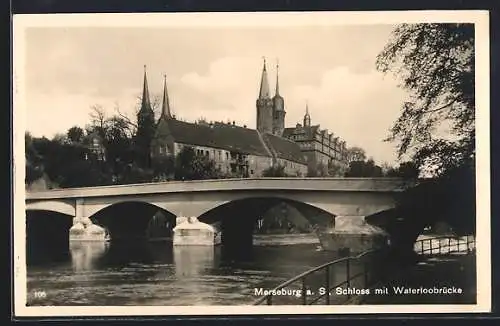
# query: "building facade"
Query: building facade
{"points": [[241, 151], [324, 152], [236, 150]]}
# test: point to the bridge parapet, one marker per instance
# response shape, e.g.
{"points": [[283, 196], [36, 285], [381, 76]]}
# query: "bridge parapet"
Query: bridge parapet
{"points": [[287, 184]]}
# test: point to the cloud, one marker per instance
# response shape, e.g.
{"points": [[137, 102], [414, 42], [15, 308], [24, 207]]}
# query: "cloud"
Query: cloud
{"points": [[57, 111], [360, 107], [227, 91], [216, 75]]}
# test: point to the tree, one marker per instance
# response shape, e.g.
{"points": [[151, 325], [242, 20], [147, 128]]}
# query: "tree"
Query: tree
{"points": [[60, 138], [34, 161], [435, 63], [335, 170], [163, 168], [363, 169], [319, 170], [274, 171], [192, 166], [75, 134], [156, 101], [406, 170], [98, 120], [356, 154]]}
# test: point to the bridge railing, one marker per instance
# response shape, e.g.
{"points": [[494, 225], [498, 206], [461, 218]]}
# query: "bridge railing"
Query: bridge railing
{"points": [[335, 282], [341, 280], [445, 245]]}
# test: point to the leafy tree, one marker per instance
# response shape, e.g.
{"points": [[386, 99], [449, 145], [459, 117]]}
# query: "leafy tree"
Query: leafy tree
{"points": [[435, 63], [335, 170], [406, 170], [363, 169], [68, 165], [192, 166], [320, 170], [75, 134], [356, 154], [274, 171], [164, 168], [60, 138], [34, 161]]}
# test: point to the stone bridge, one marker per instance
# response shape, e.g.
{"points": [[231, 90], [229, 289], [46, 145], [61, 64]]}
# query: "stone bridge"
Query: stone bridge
{"points": [[325, 202]]}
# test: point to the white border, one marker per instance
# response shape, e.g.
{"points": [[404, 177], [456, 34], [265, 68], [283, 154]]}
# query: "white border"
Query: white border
{"points": [[479, 18]]}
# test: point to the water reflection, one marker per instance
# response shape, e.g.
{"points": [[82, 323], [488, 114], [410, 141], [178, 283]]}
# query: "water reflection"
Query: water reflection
{"points": [[193, 261], [85, 254], [157, 273]]}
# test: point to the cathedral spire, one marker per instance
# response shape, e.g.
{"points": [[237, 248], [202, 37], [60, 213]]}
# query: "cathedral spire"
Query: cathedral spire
{"points": [[165, 108], [307, 117], [264, 84], [277, 77], [146, 104]]}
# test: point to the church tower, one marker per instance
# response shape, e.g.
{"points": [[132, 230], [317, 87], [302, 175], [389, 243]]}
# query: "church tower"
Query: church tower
{"points": [[145, 127], [307, 117], [163, 141], [165, 107], [264, 105], [278, 108]]}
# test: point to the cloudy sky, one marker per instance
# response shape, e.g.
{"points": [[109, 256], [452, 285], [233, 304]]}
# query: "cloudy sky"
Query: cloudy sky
{"points": [[214, 72]]}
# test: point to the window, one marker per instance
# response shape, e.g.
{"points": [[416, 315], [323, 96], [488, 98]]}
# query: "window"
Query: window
{"points": [[160, 149], [227, 155], [251, 171]]}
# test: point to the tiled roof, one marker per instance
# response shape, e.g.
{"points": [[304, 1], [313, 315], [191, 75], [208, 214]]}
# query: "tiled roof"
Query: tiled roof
{"points": [[309, 131], [223, 136], [284, 148]]}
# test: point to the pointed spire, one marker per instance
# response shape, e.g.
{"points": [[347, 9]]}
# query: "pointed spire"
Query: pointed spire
{"points": [[165, 109], [264, 84], [146, 104], [307, 117], [277, 77]]}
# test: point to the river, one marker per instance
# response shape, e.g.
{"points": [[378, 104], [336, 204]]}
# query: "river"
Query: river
{"points": [[157, 273]]}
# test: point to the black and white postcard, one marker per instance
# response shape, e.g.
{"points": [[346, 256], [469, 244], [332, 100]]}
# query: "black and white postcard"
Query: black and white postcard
{"points": [[251, 163]]}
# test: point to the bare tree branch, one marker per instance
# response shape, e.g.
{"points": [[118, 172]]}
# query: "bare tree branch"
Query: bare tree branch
{"points": [[125, 117]]}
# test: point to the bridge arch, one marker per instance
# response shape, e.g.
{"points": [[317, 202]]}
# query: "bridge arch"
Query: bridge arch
{"points": [[52, 206], [47, 234], [133, 219], [237, 218], [258, 205]]}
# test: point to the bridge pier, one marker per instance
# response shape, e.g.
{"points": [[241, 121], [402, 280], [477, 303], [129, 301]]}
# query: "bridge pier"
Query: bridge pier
{"points": [[352, 232], [83, 229]]}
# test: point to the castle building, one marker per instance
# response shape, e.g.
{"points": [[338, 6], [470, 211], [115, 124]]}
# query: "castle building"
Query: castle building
{"points": [[236, 150], [243, 151], [322, 149]]}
